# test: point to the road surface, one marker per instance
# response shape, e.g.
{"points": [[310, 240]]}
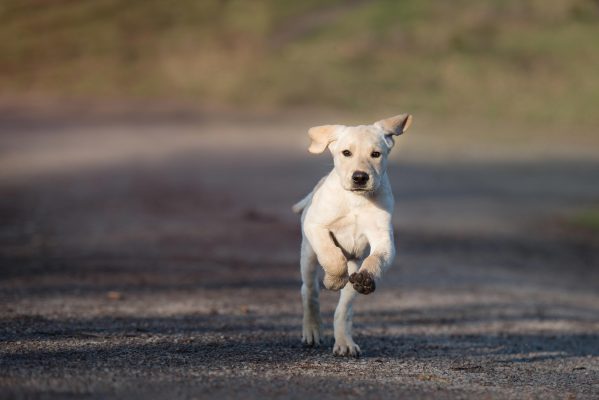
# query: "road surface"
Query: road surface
{"points": [[156, 257]]}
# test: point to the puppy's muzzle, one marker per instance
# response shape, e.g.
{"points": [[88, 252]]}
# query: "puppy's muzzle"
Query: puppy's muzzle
{"points": [[360, 178]]}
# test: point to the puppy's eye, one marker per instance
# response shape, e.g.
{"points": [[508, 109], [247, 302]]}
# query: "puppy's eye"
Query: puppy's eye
{"points": [[346, 153], [375, 154]]}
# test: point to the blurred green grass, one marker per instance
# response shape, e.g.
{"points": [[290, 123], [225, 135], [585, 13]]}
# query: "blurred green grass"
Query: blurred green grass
{"points": [[587, 219], [534, 60]]}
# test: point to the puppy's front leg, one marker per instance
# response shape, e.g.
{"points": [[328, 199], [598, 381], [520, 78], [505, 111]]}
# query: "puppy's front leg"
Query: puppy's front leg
{"points": [[330, 257], [380, 259]]}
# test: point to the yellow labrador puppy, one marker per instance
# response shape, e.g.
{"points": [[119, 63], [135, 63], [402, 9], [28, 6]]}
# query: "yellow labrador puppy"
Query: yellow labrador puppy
{"points": [[346, 223]]}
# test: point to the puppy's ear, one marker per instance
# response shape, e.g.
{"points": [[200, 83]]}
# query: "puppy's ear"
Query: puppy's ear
{"points": [[395, 126], [321, 137]]}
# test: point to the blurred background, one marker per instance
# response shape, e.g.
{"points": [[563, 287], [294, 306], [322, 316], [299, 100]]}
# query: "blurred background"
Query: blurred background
{"points": [[529, 60], [150, 152]]}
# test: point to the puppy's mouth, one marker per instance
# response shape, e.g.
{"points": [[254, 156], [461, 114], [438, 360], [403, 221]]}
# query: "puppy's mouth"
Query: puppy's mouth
{"points": [[361, 190]]}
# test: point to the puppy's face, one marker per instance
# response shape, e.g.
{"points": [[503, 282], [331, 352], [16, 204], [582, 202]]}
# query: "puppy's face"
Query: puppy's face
{"points": [[360, 156], [359, 152]]}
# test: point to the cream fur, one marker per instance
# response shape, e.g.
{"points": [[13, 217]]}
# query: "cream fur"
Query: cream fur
{"points": [[347, 229]]}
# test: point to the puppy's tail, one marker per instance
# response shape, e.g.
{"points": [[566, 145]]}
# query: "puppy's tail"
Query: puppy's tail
{"points": [[303, 203], [300, 205]]}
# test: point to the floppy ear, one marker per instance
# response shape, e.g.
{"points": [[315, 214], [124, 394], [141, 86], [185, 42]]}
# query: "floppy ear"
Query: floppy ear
{"points": [[321, 137], [395, 126]]}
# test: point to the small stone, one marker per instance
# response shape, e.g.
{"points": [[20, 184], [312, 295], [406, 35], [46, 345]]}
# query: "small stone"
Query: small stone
{"points": [[114, 295], [244, 309]]}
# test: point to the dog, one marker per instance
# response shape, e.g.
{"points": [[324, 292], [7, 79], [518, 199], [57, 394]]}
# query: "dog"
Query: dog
{"points": [[346, 223]]}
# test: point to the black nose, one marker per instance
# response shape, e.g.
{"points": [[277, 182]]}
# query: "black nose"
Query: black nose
{"points": [[360, 178]]}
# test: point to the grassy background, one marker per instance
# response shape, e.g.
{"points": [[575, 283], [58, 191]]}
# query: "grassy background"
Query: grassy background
{"points": [[531, 60], [586, 219]]}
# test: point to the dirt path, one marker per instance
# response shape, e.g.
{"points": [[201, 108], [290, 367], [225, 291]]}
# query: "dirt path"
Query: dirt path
{"points": [[147, 259]]}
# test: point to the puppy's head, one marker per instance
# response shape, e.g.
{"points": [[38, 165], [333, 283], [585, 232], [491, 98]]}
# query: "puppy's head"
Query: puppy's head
{"points": [[360, 152]]}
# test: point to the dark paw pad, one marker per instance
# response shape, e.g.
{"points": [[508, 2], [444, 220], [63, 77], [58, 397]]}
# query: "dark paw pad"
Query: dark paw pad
{"points": [[363, 282]]}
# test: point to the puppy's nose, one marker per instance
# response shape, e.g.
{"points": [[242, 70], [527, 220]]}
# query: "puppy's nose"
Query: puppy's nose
{"points": [[360, 178]]}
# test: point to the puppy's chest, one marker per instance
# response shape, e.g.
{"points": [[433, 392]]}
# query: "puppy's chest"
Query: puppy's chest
{"points": [[348, 234]]}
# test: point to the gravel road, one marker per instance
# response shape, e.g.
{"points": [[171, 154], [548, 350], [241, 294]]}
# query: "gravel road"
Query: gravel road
{"points": [[156, 257]]}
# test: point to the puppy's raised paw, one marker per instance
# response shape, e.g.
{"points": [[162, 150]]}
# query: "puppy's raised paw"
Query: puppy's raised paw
{"points": [[363, 282], [334, 283]]}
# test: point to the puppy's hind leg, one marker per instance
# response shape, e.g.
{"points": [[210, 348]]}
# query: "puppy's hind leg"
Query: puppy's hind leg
{"points": [[344, 343], [312, 323]]}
